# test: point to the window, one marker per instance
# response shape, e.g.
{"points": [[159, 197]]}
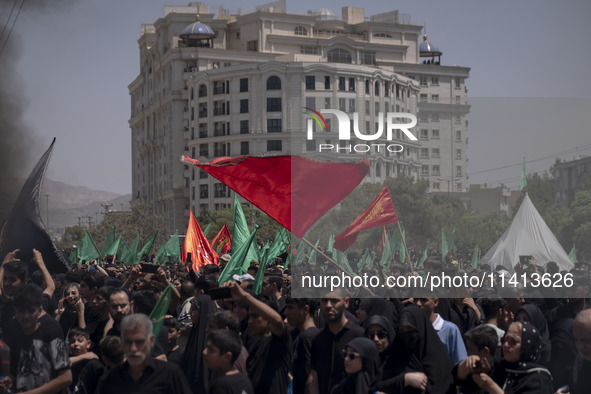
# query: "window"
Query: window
{"points": [[423, 98], [435, 98], [351, 106], [435, 185], [435, 152], [311, 102], [377, 88], [458, 153], [310, 82], [203, 174], [202, 91], [327, 102], [424, 153], [434, 80], [458, 100], [273, 104], [424, 134], [221, 190], [327, 82], [309, 50], [367, 57], [458, 83], [274, 145], [378, 170], [425, 170], [300, 31], [244, 129], [424, 116], [435, 116], [204, 150], [367, 107], [339, 55], [244, 148], [342, 105], [274, 126], [203, 191], [458, 170], [310, 145], [382, 35], [351, 84], [273, 83], [435, 134], [458, 119], [435, 169], [252, 46], [341, 83], [377, 109], [458, 136], [244, 106], [423, 80], [244, 84]]}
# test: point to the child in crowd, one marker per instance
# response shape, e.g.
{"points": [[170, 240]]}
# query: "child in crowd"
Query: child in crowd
{"points": [[80, 354], [174, 352], [223, 348]]}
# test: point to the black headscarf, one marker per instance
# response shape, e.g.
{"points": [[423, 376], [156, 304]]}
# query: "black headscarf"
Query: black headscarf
{"points": [[418, 350], [362, 381], [526, 375], [376, 307], [384, 323], [193, 365], [539, 321]]}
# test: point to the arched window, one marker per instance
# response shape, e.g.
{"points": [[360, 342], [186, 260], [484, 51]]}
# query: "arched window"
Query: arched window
{"points": [[202, 90], [339, 55], [274, 83], [301, 31]]}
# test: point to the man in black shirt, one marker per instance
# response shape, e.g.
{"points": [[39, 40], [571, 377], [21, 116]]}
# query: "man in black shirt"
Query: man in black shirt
{"points": [[327, 366], [142, 373]]}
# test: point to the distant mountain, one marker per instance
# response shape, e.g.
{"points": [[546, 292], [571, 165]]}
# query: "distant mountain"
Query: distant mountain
{"points": [[71, 205]]}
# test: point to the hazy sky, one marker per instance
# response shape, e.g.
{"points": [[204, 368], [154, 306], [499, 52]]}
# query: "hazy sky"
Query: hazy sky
{"points": [[73, 61]]}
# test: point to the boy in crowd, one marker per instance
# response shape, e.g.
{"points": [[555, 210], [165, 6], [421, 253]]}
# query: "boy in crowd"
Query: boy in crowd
{"points": [[80, 354], [174, 352], [481, 343], [223, 348]]}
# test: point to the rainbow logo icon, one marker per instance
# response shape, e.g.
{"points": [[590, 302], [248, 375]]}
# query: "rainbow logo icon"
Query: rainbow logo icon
{"points": [[317, 117]]}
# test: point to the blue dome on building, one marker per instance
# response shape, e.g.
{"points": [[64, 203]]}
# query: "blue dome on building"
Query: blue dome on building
{"points": [[428, 49], [197, 31]]}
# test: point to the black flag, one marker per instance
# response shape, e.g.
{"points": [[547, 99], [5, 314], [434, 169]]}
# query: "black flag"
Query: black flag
{"points": [[24, 229]]}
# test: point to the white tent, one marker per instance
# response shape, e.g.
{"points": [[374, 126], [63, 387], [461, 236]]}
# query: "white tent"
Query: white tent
{"points": [[528, 234]]}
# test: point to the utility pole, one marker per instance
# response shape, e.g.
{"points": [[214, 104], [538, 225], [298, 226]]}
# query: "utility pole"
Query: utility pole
{"points": [[107, 207]]}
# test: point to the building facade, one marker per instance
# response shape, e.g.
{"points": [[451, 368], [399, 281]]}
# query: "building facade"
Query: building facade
{"points": [[230, 85], [569, 176]]}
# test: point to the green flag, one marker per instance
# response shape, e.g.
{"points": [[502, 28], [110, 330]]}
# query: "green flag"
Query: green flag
{"points": [[475, 257], [129, 255], [206, 230], [74, 256], [397, 243], [452, 239], [572, 255], [88, 250], [113, 248], [170, 249], [260, 277], [239, 262], [159, 311], [302, 250], [386, 255], [109, 240], [241, 233], [313, 254], [147, 247], [424, 256], [523, 183], [444, 248]]}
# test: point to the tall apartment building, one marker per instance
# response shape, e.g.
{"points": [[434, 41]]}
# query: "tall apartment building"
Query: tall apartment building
{"points": [[230, 85]]}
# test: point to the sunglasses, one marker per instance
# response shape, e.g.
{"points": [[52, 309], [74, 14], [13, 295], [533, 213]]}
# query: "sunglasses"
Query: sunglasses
{"points": [[510, 340], [379, 334], [351, 356]]}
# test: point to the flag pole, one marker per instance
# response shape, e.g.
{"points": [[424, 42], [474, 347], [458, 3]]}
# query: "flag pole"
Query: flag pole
{"points": [[405, 248], [332, 261]]}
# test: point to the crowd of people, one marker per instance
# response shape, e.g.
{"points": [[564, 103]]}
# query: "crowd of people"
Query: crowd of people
{"points": [[90, 330]]}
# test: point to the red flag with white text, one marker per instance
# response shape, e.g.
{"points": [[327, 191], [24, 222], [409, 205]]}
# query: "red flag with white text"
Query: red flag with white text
{"points": [[379, 213], [199, 247]]}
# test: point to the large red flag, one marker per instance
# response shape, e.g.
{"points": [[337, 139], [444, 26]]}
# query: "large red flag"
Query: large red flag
{"points": [[223, 237], [379, 213], [293, 190], [199, 247]]}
